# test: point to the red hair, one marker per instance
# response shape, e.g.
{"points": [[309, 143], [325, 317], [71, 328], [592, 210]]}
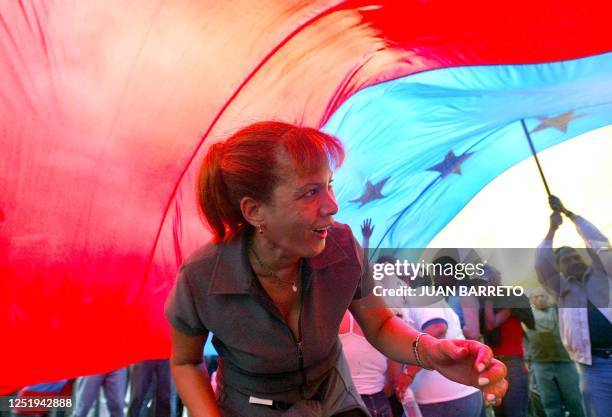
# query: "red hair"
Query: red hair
{"points": [[245, 165]]}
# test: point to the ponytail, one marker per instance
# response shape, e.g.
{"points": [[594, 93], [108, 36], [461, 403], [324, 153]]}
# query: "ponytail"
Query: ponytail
{"points": [[212, 192]]}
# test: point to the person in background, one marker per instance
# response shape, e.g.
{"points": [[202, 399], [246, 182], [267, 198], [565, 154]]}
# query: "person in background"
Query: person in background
{"points": [[467, 308], [534, 401], [113, 383], [150, 375], [449, 263], [59, 390], [367, 228], [555, 373], [584, 296], [470, 304], [436, 395], [372, 373], [504, 334]]}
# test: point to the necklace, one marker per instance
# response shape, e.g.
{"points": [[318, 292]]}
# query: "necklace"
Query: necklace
{"points": [[270, 273]]}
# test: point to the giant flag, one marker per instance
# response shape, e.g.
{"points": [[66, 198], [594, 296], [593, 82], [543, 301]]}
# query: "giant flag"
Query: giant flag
{"points": [[420, 147], [106, 109]]}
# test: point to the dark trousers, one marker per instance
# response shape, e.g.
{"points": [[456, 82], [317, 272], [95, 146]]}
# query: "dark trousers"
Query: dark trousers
{"points": [[350, 413], [377, 404], [150, 375], [514, 403]]}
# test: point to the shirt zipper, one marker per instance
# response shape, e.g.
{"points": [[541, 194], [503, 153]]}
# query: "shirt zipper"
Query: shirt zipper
{"points": [[300, 351], [297, 341]]}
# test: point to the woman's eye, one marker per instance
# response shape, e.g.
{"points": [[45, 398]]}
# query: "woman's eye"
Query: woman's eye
{"points": [[310, 193]]}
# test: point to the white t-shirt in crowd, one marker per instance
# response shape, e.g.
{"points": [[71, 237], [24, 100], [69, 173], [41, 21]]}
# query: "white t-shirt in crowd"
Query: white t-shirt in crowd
{"points": [[431, 387], [367, 365]]}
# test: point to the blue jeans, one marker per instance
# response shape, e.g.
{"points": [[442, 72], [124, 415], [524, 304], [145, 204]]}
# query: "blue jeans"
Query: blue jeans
{"points": [[114, 384], [534, 399], [514, 403], [558, 384], [377, 404], [469, 406], [596, 382]]}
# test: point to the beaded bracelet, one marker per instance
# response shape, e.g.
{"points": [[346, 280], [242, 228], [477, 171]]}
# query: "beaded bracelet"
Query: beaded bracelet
{"points": [[415, 349]]}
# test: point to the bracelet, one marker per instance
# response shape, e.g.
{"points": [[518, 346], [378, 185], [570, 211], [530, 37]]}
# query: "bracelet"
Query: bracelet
{"points": [[415, 350]]}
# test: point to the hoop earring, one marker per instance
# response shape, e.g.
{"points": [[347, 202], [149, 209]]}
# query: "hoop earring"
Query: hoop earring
{"points": [[260, 228]]}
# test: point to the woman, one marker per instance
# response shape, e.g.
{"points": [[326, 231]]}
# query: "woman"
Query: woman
{"points": [[275, 282], [504, 334]]}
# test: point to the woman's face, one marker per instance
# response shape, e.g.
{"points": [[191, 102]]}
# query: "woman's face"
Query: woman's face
{"points": [[300, 212]]}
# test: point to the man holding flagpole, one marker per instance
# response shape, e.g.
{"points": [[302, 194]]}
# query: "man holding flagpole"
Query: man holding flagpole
{"points": [[583, 294]]}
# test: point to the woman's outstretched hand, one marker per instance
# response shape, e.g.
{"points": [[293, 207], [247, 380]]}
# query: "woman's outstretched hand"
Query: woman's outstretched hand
{"points": [[468, 362]]}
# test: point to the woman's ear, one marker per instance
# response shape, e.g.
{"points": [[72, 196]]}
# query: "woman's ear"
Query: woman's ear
{"points": [[251, 211]]}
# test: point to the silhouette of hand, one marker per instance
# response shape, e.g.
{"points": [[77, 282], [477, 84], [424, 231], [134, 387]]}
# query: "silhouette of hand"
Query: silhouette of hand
{"points": [[555, 220], [367, 228], [555, 203]]}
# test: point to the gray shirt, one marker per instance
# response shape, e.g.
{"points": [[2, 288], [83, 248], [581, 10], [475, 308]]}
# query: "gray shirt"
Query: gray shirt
{"points": [[217, 291], [545, 341]]}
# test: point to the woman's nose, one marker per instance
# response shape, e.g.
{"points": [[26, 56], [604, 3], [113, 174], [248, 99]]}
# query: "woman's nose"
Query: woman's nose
{"points": [[329, 206]]}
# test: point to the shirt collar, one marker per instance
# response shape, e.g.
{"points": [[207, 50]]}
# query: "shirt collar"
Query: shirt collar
{"points": [[232, 273]]}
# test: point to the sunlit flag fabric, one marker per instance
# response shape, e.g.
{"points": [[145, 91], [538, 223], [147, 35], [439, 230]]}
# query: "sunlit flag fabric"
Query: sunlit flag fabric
{"points": [[420, 147], [106, 109]]}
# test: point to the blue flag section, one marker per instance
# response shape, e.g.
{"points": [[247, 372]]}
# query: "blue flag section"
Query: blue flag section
{"points": [[419, 148]]}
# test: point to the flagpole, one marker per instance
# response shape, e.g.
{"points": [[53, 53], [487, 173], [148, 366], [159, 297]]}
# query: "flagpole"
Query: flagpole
{"points": [[533, 152]]}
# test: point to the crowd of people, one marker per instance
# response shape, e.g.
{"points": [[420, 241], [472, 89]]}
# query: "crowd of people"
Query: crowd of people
{"points": [[557, 365], [287, 294]]}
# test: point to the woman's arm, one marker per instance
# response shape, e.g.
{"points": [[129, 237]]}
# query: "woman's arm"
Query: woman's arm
{"points": [[471, 328], [366, 232], [464, 361], [437, 330], [492, 319], [383, 329], [190, 375], [546, 262]]}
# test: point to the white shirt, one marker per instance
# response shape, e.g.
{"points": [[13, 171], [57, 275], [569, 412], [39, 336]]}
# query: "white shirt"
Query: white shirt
{"points": [[367, 365], [572, 295], [431, 387]]}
